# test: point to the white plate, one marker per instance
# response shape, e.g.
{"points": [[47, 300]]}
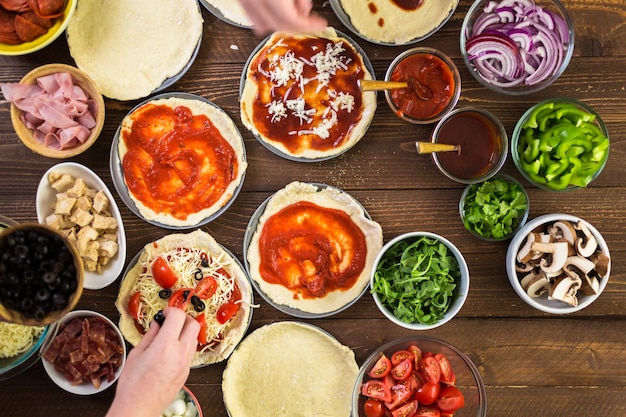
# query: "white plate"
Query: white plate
{"points": [[274, 149], [117, 172], [247, 238], [46, 196], [86, 388]]}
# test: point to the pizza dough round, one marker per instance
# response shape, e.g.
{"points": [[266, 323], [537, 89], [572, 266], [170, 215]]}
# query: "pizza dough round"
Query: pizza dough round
{"points": [[301, 98], [390, 23], [289, 369], [231, 10], [161, 127], [129, 48], [201, 242], [326, 197]]}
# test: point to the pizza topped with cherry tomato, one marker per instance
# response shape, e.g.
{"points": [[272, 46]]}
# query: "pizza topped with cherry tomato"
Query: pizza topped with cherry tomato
{"points": [[411, 383], [194, 273]]}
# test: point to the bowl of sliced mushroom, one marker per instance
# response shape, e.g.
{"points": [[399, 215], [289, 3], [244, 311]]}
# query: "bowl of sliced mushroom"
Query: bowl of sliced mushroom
{"points": [[558, 263]]}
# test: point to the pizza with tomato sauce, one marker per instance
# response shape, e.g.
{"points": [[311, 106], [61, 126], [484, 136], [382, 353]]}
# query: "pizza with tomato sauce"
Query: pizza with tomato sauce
{"points": [[301, 95], [313, 248], [194, 273]]}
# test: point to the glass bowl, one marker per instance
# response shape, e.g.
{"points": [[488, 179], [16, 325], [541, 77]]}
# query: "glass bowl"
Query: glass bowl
{"points": [[560, 144], [495, 209], [499, 46], [520, 266], [385, 276], [483, 140], [11, 365], [468, 379], [434, 85]]}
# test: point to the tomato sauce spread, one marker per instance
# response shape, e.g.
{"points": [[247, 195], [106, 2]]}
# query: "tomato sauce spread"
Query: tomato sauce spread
{"points": [[479, 142], [311, 250], [431, 86], [409, 4], [177, 163], [308, 96]]}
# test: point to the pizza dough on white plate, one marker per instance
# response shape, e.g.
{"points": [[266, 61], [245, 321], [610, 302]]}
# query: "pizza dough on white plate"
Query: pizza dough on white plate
{"points": [[289, 369], [130, 48]]}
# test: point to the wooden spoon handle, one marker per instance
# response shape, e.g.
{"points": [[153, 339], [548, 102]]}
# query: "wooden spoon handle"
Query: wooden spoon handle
{"points": [[429, 147], [375, 85]]}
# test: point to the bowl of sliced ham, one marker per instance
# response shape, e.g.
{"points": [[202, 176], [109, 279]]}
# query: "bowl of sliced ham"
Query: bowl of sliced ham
{"points": [[87, 355], [57, 110]]}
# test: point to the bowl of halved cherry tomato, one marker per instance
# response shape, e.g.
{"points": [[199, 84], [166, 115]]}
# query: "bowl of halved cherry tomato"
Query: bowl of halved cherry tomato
{"points": [[419, 377]]}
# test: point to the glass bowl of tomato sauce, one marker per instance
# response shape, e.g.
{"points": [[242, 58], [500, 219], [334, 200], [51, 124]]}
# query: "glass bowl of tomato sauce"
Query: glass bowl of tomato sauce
{"points": [[483, 141], [433, 85], [419, 376]]}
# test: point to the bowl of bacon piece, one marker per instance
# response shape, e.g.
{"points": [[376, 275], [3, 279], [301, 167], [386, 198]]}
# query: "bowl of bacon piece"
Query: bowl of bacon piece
{"points": [[87, 355], [57, 110]]}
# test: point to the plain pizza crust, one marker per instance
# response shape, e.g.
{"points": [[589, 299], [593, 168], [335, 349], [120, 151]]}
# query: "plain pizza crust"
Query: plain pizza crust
{"points": [[232, 10], [228, 130], [129, 48], [400, 26], [324, 197], [250, 94], [289, 369], [197, 239]]}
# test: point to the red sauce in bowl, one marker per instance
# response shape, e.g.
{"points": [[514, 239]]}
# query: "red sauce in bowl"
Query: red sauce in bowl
{"points": [[431, 86]]}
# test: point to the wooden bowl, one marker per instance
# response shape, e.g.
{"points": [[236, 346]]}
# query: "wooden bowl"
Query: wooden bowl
{"points": [[87, 84], [15, 316]]}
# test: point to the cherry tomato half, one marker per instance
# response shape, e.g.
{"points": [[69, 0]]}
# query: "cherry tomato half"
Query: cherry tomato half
{"points": [[430, 369], [447, 376], [135, 306], [206, 287], [381, 368], [450, 399], [428, 393], [402, 370], [181, 298], [202, 339], [407, 410], [401, 355], [417, 355], [226, 311], [163, 274], [374, 408], [377, 390], [400, 394], [427, 412]]}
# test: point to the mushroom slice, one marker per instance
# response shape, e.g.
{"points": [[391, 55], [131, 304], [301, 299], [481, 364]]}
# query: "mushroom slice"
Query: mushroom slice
{"points": [[587, 244], [565, 230], [583, 269], [565, 289], [558, 252], [601, 262], [525, 254], [535, 283]]}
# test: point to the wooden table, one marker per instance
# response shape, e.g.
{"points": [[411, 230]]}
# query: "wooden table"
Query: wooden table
{"points": [[533, 364]]}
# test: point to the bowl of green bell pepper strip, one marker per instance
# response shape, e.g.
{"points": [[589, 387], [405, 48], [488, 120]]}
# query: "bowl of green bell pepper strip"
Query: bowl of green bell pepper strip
{"points": [[560, 144], [495, 209]]}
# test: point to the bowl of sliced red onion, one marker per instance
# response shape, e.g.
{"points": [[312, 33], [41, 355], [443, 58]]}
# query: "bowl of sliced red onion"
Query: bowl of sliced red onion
{"points": [[517, 46]]}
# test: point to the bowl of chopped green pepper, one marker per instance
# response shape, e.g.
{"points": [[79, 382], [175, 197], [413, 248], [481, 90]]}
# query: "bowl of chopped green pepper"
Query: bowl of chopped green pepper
{"points": [[420, 280], [560, 144], [495, 209]]}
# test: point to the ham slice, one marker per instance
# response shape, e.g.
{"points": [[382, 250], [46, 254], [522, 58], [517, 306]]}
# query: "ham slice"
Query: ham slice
{"points": [[58, 110]]}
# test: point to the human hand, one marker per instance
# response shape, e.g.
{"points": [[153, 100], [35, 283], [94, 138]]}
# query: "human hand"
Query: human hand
{"points": [[157, 367], [279, 15]]}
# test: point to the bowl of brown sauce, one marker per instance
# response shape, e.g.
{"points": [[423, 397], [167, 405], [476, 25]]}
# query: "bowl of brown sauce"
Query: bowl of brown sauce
{"points": [[433, 85], [483, 144]]}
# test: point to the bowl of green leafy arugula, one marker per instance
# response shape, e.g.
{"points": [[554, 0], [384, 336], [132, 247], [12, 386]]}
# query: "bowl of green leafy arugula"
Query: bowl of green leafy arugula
{"points": [[495, 209], [420, 280]]}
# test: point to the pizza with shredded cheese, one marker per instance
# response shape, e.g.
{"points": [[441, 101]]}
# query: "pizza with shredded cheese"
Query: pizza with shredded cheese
{"points": [[192, 272], [301, 95]]}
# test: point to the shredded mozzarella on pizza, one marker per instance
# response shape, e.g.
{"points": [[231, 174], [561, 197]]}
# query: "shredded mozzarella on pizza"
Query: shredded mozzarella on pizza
{"points": [[17, 338], [185, 262]]}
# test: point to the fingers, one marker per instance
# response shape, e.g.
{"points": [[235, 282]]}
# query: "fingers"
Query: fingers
{"points": [[147, 338]]}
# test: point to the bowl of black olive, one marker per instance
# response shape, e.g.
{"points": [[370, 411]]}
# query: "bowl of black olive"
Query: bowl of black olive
{"points": [[41, 275]]}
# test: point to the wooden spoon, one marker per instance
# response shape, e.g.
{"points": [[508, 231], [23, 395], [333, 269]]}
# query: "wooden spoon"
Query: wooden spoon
{"points": [[430, 147], [377, 85]]}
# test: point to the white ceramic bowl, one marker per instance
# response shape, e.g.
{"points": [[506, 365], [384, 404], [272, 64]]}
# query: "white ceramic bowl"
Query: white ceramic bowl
{"points": [[543, 303], [86, 388], [46, 197], [459, 293]]}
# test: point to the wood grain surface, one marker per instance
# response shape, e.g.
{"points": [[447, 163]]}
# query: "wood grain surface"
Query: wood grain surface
{"points": [[532, 363]]}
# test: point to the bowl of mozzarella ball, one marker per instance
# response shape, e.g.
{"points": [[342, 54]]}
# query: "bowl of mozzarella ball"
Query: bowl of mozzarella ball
{"points": [[184, 405]]}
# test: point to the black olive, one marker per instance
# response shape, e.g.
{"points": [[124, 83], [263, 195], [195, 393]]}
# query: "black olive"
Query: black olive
{"points": [[65, 287], [27, 304], [21, 251], [165, 293], [28, 275], [40, 313], [58, 267], [186, 294], [59, 300], [198, 304], [204, 262], [49, 277], [42, 294], [159, 317], [198, 274]]}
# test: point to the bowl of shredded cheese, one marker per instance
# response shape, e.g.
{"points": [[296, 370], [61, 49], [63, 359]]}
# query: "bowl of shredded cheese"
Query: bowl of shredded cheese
{"points": [[22, 346]]}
